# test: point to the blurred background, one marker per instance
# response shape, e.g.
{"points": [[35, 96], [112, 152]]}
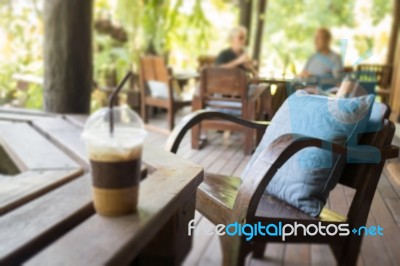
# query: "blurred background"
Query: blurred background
{"points": [[183, 31]]}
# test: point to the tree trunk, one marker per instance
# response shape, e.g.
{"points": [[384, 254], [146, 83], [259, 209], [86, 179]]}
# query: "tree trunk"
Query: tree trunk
{"points": [[68, 55]]}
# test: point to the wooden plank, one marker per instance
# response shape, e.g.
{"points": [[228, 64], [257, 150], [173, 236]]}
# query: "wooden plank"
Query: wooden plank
{"points": [[17, 117], [273, 255], [230, 167], [19, 189], [230, 151], [213, 253], [124, 236], [299, 254], [322, 255], [29, 228], [241, 166], [76, 119], [390, 197], [394, 207], [373, 251], [391, 231], [32, 151], [23, 111], [198, 155], [201, 240], [66, 136], [337, 200]]}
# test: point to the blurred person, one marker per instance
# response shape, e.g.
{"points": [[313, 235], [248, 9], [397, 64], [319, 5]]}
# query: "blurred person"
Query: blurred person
{"points": [[324, 63], [236, 55]]}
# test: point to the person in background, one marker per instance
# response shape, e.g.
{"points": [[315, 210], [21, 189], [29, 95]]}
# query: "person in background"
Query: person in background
{"points": [[235, 55], [324, 63]]}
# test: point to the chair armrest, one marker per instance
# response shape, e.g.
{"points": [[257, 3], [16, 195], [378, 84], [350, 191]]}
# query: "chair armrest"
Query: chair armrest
{"points": [[196, 117], [277, 153]]}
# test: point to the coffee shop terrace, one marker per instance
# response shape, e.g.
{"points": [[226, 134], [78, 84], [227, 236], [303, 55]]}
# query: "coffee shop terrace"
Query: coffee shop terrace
{"points": [[129, 134]]}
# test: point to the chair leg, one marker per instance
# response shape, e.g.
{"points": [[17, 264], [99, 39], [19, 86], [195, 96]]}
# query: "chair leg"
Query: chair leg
{"points": [[234, 251], [347, 254], [171, 118], [259, 249], [144, 112], [259, 135], [196, 130], [248, 140]]}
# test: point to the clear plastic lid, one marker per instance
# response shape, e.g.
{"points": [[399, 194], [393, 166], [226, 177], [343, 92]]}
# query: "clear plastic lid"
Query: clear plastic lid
{"points": [[128, 130]]}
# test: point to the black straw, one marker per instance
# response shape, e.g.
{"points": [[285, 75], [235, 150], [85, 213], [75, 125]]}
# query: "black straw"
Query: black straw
{"points": [[113, 96]]}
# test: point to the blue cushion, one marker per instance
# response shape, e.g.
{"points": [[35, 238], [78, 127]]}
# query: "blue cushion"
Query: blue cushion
{"points": [[306, 179]]}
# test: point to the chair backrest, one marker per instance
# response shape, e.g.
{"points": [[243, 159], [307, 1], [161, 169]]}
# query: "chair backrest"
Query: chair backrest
{"points": [[154, 68], [206, 61], [353, 174], [223, 83], [348, 69], [381, 74], [364, 177]]}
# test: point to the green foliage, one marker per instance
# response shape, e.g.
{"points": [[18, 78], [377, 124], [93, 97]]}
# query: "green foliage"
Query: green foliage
{"points": [[291, 24], [381, 8], [110, 56], [158, 26], [21, 52], [178, 28]]}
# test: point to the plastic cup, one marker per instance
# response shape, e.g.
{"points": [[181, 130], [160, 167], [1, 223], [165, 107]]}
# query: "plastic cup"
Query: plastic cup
{"points": [[115, 159]]}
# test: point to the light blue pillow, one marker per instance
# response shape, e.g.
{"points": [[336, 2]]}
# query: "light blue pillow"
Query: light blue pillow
{"points": [[306, 179]]}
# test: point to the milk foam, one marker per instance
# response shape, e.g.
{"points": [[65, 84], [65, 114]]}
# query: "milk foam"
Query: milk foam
{"points": [[124, 145]]}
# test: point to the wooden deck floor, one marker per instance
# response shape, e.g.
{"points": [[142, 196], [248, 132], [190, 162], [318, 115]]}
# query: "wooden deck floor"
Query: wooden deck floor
{"points": [[225, 156]]}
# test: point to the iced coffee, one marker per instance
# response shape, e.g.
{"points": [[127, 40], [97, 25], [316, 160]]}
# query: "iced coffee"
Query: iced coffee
{"points": [[115, 161]]}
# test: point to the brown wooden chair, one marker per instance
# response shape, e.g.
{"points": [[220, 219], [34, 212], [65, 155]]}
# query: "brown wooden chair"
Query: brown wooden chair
{"points": [[227, 90], [382, 74], [205, 61], [153, 68], [227, 199]]}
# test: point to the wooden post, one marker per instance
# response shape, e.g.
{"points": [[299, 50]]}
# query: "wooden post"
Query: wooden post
{"points": [[261, 14], [394, 59], [394, 32], [67, 55], [395, 88], [245, 14]]}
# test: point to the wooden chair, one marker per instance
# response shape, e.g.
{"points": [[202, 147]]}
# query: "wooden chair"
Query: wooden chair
{"points": [[153, 68], [381, 74], [206, 61], [227, 199], [226, 90]]}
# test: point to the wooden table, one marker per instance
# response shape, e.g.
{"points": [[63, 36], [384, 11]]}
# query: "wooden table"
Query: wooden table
{"points": [[46, 212], [184, 77]]}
